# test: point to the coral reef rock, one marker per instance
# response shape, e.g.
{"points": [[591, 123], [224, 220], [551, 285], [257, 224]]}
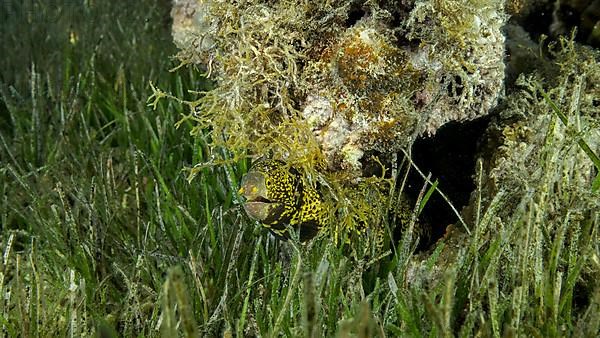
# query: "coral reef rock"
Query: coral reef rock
{"points": [[362, 77]]}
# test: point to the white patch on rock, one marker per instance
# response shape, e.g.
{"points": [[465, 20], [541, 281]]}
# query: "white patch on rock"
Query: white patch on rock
{"points": [[317, 112]]}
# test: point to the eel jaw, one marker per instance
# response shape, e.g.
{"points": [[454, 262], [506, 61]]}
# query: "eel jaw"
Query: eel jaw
{"points": [[258, 210]]}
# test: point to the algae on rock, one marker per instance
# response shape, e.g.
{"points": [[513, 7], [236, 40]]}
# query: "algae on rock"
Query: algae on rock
{"points": [[333, 82]]}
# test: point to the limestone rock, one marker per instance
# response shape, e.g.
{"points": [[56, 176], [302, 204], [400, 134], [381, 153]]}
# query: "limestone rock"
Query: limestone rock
{"points": [[361, 77]]}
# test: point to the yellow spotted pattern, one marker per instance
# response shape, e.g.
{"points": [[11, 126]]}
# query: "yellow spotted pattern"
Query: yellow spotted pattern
{"points": [[300, 204]]}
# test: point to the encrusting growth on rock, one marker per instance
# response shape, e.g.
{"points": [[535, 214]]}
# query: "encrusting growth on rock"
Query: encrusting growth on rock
{"points": [[356, 77]]}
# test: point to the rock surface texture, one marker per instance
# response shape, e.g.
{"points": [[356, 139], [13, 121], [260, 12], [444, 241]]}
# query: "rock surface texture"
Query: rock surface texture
{"points": [[334, 82]]}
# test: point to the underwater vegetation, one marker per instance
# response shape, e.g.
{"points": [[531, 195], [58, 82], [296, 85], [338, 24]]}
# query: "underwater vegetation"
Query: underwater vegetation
{"points": [[445, 205]]}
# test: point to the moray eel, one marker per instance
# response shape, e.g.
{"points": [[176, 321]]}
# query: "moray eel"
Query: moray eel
{"points": [[277, 197]]}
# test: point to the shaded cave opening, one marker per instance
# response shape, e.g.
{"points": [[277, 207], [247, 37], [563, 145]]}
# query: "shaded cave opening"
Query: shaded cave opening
{"points": [[450, 156], [355, 14], [554, 18]]}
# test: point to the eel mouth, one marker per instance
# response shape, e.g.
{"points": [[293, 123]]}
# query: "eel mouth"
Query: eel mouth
{"points": [[258, 199]]}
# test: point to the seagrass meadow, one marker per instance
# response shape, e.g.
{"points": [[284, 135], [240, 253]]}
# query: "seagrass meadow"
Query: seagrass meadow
{"points": [[120, 206]]}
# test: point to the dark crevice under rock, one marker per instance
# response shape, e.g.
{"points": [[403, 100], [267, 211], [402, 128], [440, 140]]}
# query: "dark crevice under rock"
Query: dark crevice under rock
{"points": [[450, 156], [553, 18], [355, 14]]}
